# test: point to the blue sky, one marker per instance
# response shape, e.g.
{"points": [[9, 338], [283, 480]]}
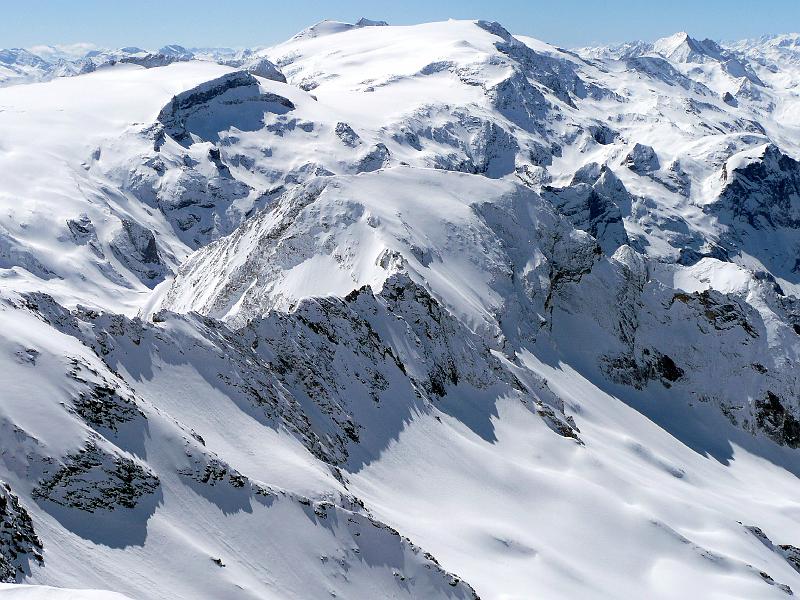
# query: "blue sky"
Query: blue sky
{"points": [[150, 23]]}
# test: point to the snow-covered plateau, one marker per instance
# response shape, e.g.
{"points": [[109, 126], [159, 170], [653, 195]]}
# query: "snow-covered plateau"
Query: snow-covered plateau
{"points": [[429, 311]]}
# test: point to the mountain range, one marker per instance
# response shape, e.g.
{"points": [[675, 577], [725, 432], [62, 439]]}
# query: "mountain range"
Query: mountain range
{"points": [[430, 311]]}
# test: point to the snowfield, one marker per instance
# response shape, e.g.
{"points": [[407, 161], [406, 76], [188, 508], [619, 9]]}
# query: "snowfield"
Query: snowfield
{"points": [[428, 311]]}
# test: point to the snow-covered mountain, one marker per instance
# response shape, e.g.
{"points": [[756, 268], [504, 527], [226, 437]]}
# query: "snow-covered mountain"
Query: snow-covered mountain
{"points": [[430, 311]]}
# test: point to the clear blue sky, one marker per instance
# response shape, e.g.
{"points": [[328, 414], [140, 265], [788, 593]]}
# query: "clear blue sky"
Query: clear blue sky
{"points": [[151, 23]]}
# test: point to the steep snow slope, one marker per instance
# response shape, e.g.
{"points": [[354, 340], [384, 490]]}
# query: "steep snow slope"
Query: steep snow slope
{"points": [[384, 307], [122, 468], [58, 222], [452, 231]]}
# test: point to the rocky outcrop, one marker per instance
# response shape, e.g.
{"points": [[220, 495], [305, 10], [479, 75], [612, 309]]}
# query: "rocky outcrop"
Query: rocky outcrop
{"points": [[720, 311], [776, 421], [677, 180], [479, 146], [759, 206], [233, 100], [557, 75], [642, 160], [343, 360], [376, 158], [103, 404], [93, 479], [592, 203], [682, 48], [152, 60], [211, 471], [342, 375], [84, 233], [19, 544], [120, 492], [519, 101], [369, 530], [787, 551], [638, 371], [762, 190], [135, 247], [345, 133]]}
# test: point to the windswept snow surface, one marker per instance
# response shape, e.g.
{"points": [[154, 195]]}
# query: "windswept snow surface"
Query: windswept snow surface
{"points": [[42, 592], [428, 311]]}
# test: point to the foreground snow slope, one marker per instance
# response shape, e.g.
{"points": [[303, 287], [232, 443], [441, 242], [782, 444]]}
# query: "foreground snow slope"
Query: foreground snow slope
{"points": [[404, 312], [41, 592]]}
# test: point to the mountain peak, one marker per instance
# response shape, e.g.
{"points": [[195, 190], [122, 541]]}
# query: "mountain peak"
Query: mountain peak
{"points": [[364, 22], [328, 27], [680, 47], [175, 50]]}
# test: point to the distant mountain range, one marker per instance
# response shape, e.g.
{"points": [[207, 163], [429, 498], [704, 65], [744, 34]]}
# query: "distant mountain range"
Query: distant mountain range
{"points": [[21, 65]]}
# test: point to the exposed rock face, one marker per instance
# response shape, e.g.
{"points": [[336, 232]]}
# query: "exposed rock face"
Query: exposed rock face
{"points": [[373, 530], [231, 100], [103, 404], [519, 101], [526, 274], [84, 233], [603, 134], [475, 145], [197, 200], [792, 555], [341, 375], [345, 133], [592, 203], [339, 359], [760, 207], [254, 63], [677, 180], [212, 471], [773, 419], [642, 160], [721, 312], [135, 247], [491, 150], [153, 60], [762, 191], [557, 75], [19, 544], [787, 551], [364, 22], [375, 159], [93, 479], [647, 318], [345, 335]]}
